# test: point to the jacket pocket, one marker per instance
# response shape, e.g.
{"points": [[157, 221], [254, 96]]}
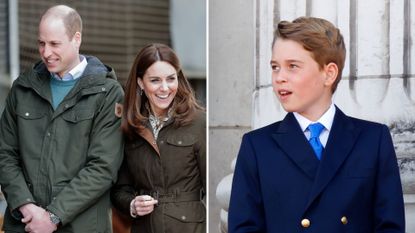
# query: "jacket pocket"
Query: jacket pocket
{"points": [[360, 173], [185, 217], [186, 212], [31, 129], [75, 116], [28, 113], [181, 155], [181, 140]]}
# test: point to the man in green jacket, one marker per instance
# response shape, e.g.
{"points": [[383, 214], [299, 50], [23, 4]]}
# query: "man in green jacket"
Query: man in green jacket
{"points": [[60, 143]]}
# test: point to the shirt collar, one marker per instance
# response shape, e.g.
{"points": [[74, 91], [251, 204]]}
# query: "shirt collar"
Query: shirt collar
{"points": [[75, 73], [326, 119]]}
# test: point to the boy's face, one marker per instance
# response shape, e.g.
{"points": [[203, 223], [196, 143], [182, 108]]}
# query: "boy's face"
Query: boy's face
{"points": [[297, 80]]}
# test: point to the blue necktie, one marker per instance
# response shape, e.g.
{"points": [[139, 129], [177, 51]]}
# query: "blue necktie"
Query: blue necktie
{"points": [[315, 131]]}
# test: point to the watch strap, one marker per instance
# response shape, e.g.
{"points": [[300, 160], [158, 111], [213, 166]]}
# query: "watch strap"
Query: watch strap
{"points": [[54, 218]]}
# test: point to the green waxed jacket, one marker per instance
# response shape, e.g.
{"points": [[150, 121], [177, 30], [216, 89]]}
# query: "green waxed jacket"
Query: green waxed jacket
{"points": [[64, 160]]}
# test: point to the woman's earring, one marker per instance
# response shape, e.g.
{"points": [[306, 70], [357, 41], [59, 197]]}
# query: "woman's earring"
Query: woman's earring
{"points": [[141, 91]]}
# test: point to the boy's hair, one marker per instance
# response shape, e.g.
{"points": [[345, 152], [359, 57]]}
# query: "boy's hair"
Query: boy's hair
{"points": [[318, 36]]}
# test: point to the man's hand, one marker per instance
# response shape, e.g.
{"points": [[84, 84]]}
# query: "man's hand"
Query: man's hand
{"points": [[37, 219]]}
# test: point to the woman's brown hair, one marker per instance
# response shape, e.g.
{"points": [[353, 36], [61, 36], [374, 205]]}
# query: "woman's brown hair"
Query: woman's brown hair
{"points": [[135, 113]]}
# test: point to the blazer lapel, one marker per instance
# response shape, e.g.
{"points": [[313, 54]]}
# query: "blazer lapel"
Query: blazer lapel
{"points": [[292, 141], [343, 136]]}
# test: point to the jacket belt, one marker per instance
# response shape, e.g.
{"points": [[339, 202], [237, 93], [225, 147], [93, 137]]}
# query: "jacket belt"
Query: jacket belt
{"points": [[174, 197]]}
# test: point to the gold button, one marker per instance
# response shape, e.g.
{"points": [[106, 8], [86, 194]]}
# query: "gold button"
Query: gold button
{"points": [[344, 220], [305, 223]]}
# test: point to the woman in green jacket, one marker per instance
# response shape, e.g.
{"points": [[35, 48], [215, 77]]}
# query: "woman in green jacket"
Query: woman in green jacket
{"points": [[162, 180]]}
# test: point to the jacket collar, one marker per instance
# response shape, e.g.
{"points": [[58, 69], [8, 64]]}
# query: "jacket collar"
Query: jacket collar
{"points": [[148, 136], [95, 74], [342, 138], [341, 141], [300, 153], [91, 82]]}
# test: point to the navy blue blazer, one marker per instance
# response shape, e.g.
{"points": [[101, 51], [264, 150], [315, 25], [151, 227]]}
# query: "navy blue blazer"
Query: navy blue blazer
{"points": [[279, 186]]}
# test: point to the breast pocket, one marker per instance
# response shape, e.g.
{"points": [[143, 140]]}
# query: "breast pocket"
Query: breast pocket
{"points": [[357, 173], [76, 116], [73, 130], [180, 141], [29, 113], [77, 123], [182, 145], [31, 124], [180, 153]]}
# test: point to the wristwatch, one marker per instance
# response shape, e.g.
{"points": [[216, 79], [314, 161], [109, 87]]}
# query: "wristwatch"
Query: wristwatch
{"points": [[54, 218]]}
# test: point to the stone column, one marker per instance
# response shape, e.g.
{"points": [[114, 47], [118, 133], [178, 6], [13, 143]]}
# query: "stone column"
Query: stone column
{"points": [[231, 75]]}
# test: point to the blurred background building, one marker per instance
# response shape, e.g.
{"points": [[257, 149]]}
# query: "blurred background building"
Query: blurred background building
{"points": [[114, 31], [378, 81]]}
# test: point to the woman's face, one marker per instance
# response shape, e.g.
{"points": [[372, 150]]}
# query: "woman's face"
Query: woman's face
{"points": [[159, 83]]}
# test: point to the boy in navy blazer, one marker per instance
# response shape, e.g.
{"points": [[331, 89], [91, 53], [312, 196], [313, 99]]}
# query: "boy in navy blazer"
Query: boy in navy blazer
{"points": [[317, 170]]}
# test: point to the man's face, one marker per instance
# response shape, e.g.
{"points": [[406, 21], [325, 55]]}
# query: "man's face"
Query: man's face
{"points": [[297, 80], [59, 52]]}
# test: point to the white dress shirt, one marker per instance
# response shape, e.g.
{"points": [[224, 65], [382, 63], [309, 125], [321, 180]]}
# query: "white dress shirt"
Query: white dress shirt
{"points": [[75, 73], [326, 120]]}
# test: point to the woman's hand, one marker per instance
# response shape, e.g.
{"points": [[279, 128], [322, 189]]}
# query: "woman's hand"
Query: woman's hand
{"points": [[142, 205]]}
